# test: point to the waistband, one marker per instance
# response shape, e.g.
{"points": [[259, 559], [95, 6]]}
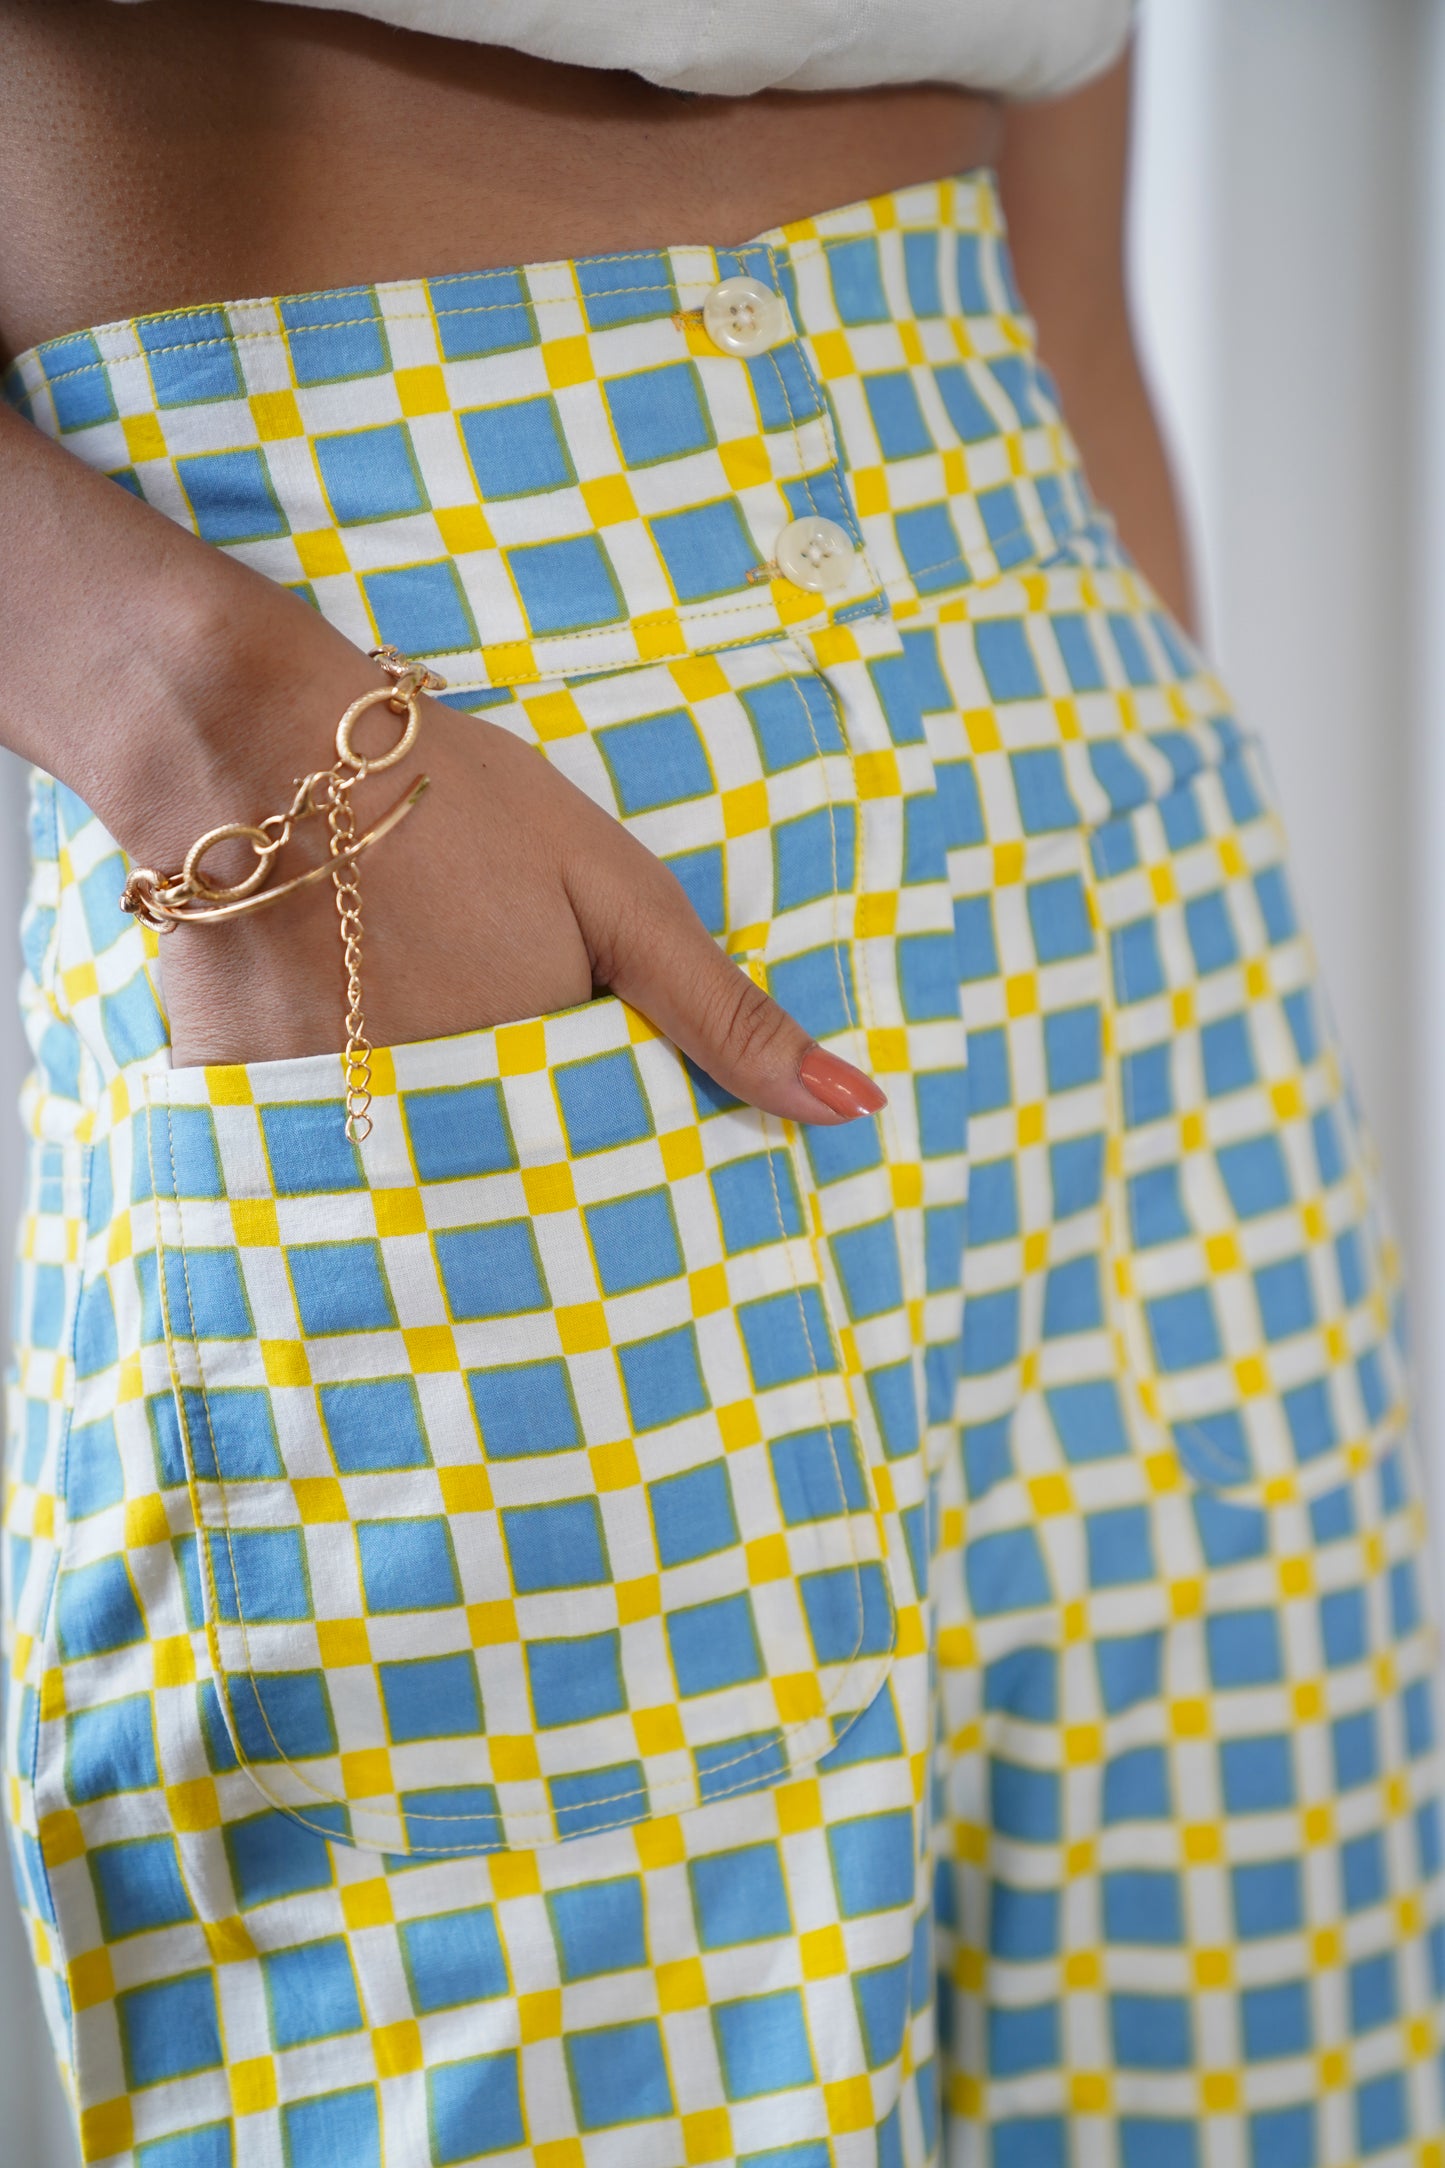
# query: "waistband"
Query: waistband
{"points": [[554, 470]]}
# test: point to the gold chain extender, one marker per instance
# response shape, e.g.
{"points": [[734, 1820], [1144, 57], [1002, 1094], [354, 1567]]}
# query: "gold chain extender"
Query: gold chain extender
{"points": [[190, 897]]}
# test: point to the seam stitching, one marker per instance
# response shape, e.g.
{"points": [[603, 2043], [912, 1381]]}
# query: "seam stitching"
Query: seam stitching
{"points": [[283, 333]]}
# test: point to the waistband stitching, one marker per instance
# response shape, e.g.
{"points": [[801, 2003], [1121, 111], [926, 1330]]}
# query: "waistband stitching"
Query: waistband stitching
{"points": [[344, 323], [793, 250], [351, 323], [805, 245]]}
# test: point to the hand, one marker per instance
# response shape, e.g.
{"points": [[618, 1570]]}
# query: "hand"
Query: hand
{"points": [[506, 893]]}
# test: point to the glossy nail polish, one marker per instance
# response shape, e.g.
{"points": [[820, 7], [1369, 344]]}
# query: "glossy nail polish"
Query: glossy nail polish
{"points": [[841, 1088]]}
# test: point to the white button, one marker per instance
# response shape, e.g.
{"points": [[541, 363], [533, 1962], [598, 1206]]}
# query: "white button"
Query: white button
{"points": [[815, 554], [743, 316]]}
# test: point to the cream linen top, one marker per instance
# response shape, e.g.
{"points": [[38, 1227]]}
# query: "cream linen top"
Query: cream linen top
{"points": [[729, 48]]}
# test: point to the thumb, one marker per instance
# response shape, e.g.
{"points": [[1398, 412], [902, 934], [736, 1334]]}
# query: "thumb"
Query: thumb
{"points": [[650, 947]]}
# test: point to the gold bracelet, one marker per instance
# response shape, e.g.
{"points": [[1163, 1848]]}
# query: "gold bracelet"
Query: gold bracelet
{"points": [[165, 901]]}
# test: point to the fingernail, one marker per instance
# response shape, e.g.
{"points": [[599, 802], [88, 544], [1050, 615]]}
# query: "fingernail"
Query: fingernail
{"points": [[841, 1088]]}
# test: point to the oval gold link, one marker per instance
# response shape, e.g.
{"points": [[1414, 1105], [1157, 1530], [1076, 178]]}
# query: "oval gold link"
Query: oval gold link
{"points": [[346, 758], [164, 901], [182, 907], [265, 849]]}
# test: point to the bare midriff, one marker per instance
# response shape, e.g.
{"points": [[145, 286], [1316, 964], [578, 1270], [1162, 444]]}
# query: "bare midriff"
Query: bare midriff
{"points": [[187, 151]]}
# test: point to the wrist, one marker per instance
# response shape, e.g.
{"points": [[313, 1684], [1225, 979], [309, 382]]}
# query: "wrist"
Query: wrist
{"points": [[237, 704]]}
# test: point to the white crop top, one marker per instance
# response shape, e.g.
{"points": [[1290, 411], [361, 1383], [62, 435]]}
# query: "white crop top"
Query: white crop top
{"points": [[730, 48]]}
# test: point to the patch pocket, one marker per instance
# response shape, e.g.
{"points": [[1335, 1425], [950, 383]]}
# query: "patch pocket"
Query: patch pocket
{"points": [[530, 1497], [1254, 1279]]}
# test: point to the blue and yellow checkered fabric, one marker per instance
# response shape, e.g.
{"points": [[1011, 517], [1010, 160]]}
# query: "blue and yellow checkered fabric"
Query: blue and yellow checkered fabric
{"points": [[600, 1630]]}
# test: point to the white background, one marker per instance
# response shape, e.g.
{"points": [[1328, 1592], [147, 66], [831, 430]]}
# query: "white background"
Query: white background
{"points": [[1289, 253]]}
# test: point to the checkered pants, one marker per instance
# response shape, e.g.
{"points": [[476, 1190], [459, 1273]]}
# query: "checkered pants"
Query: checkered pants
{"points": [[601, 1630]]}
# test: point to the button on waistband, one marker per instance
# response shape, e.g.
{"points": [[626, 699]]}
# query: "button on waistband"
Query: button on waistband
{"points": [[815, 554], [742, 316]]}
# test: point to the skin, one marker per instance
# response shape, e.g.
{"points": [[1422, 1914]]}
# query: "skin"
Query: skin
{"points": [[167, 154]]}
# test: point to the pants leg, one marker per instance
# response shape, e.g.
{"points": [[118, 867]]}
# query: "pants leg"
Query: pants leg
{"points": [[1189, 1883]]}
